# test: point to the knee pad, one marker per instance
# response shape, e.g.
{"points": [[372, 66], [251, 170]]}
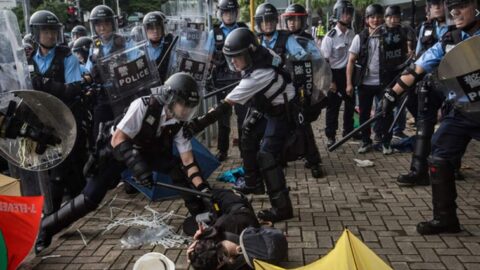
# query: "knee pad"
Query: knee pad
{"points": [[441, 170]]}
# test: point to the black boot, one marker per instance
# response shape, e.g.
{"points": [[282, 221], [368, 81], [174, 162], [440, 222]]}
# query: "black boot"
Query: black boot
{"points": [[258, 189], [66, 215], [277, 190], [316, 169], [418, 174], [444, 194]]}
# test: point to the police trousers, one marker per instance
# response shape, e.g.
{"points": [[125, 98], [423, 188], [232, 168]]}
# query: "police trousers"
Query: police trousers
{"points": [[334, 103]]}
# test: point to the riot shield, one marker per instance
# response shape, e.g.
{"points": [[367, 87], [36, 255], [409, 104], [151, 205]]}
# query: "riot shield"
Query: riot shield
{"points": [[128, 74], [193, 52], [14, 73], [459, 71], [36, 107], [311, 72]]}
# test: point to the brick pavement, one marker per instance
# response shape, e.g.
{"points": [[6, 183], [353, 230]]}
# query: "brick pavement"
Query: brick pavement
{"points": [[366, 200]]}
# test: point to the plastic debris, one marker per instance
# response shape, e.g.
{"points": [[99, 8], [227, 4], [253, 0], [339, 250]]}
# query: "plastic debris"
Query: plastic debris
{"points": [[364, 163], [151, 229], [231, 176]]}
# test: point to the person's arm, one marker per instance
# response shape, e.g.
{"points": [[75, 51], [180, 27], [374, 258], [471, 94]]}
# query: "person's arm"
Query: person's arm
{"points": [[193, 171], [352, 58]]}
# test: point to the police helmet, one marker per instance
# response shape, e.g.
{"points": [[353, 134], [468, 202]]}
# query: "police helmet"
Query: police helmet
{"points": [[296, 11], [102, 13], [374, 9], [28, 39], [44, 19], [228, 5], [79, 31], [82, 46], [180, 88], [342, 7], [154, 20], [240, 41], [266, 12], [393, 10], [452, 4]]}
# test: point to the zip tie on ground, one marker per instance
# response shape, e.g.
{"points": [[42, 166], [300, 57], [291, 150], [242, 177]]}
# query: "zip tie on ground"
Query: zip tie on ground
{"points": [[149, 229]]}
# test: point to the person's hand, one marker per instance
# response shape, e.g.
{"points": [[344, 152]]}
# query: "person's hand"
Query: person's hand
{"points": [[389, 101], [190, 249], [349, 90], [199, 232], [333, 87]]}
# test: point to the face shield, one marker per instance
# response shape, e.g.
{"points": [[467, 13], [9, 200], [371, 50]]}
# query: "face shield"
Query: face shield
{"points": [[239, 62], [177, 107], [266, 24], [294, 22], [104, 28], [228, 16], [436, 10], [462, 13], [48, 35], [344, 15]]}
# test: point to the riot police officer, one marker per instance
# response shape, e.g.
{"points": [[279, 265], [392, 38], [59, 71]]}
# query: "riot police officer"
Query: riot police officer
{"points": [[221, 75], [142, 141], [78, 32], [266, 87], [428, 98], [57, 72], [295, 18], [29, 45], [81, 49], [458, 127], [159, 41], [106, 41], [334, 48], [280, 41]]}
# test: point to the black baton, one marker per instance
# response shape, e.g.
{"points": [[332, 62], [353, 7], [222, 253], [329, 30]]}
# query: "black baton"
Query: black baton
{"points": [[184, 190]]}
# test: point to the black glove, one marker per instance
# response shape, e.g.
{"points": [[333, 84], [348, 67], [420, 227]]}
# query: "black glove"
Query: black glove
{"points": [[191, 128], [389, 101], [42, 135], [201, 122]]}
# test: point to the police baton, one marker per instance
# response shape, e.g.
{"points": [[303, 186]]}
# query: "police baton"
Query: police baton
{"points": [[399, 113], [184, 190], [221, 89], [352, 133], [167, 52]]}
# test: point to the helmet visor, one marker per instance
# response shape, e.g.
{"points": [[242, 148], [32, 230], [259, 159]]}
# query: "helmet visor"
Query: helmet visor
{"points": [[182, 112], [239, 62], [104, 28], [48, 35], [266, 24], [462, 13]]}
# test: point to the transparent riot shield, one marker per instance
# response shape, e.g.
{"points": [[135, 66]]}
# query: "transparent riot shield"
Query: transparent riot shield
{"points": [[128, 74], [310, 72], [193, 52], [459, 71], [14, 73], [37, 108]]}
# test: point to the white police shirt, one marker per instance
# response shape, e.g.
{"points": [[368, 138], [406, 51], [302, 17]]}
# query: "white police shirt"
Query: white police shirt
{"points": [[131, 124], [255, 82], [372, 75], [335, 48]]}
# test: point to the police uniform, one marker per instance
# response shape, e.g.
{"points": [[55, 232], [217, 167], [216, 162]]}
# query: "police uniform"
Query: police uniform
{"points": [[58, 73], [335, 49], [159, 52], [223, 76], [448, 143], [153, 135], [282, 43], [424, 104]]}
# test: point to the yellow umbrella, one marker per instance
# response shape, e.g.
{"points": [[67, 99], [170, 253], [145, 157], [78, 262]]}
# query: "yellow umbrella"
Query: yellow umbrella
{"points": [[348, 254]]}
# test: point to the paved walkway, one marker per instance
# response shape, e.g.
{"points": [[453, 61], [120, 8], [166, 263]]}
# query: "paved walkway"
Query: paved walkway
{"points": [[366, 200]]}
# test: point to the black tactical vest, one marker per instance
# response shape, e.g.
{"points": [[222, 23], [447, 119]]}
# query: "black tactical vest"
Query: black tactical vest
{"points": [[163, 69], [56, 71], [280, 46], [428, 37]]}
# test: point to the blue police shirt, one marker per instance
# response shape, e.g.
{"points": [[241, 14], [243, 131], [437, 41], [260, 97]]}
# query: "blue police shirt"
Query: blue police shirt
{"points": [[292, 46], [71, 65], [211, 38], [440, 30], [154, 52], [107, 47], [83, 69], [432, 57]]}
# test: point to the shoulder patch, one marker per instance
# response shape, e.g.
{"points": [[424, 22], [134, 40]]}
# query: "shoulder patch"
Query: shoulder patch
{"points": [[332, 33], [146, 100]]}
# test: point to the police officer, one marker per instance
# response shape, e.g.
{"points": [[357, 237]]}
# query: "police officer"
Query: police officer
{"points": [[142, 142], [57, 72], [29, 46], [457, 128], [81, 49], [106, 41], [79, 31], [428, 98], [280, 41], [368, 57], [266, 87], [158, 41], [222, 76], [334, 48], [295, 18]]}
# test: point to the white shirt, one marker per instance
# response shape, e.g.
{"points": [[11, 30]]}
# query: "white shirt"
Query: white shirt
{"points": [[335, 48], [258, 80], [131, 124], [372, 75]]}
